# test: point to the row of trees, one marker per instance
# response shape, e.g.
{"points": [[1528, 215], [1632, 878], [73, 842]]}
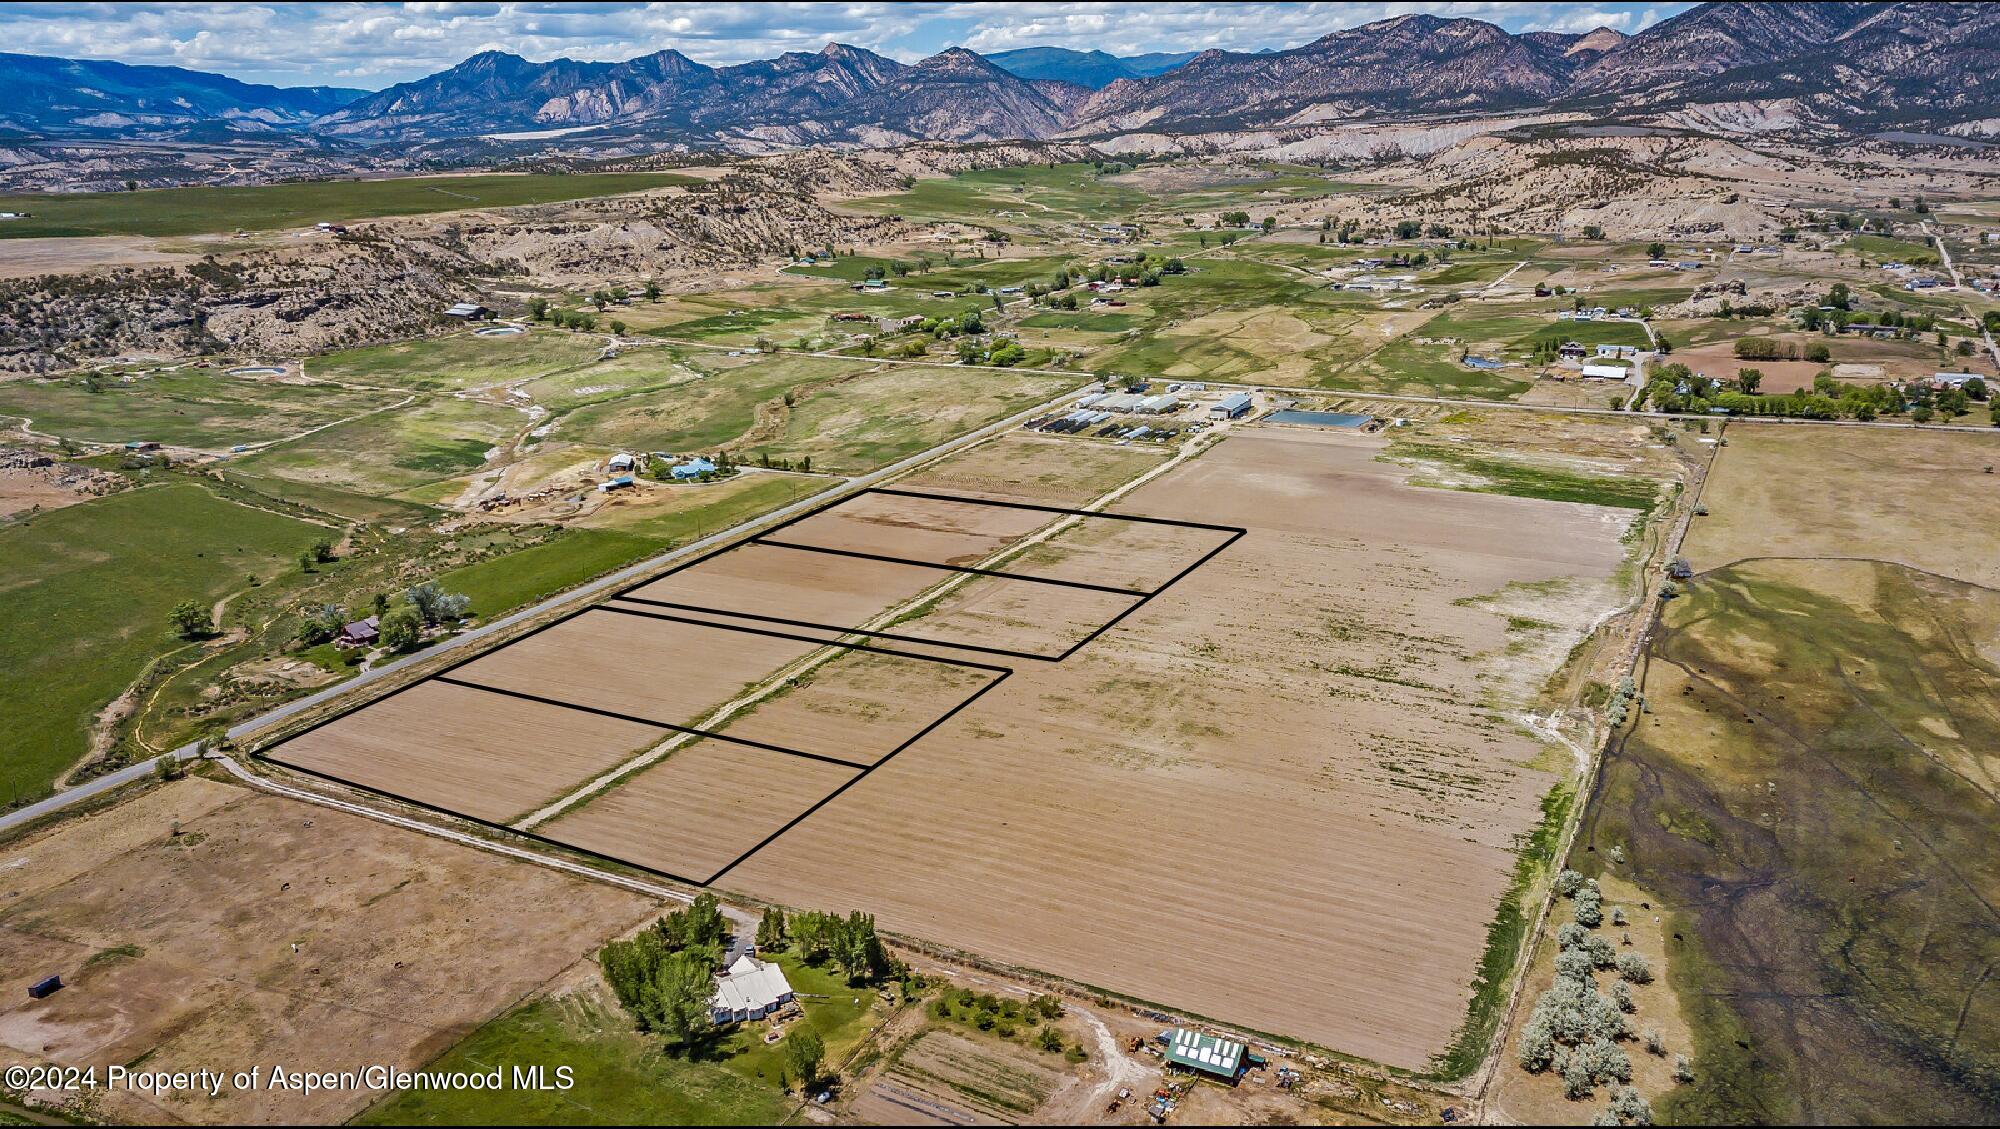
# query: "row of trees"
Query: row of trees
{"points": [[1577, 1031]]}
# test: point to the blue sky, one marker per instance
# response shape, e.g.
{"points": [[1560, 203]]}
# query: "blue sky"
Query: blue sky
{"points": [[377, 45]]}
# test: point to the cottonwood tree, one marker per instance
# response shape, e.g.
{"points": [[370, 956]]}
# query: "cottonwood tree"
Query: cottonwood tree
{"points": [[190, 620], [803, 1053]]}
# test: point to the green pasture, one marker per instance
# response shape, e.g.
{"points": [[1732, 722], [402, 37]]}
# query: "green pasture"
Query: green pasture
{"points": [[193, 211]]}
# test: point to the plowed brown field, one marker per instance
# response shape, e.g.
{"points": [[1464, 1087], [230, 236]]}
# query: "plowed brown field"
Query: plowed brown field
{"points": [[477, 753], [1284, 795], [693, 812]]}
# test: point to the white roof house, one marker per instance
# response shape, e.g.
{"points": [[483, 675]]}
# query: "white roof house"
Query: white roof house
{"points": [[751, 989]]}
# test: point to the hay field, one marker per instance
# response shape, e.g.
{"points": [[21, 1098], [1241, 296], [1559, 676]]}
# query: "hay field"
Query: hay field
{"points": [[1285, 795], [1919, 498]]}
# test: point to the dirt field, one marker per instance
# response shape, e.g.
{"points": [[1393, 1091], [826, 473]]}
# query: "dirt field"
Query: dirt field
{"points": [[1043, 469], [862, 704], [693, 812], [659, 669], [817, 588], [1305, 750], [1719, 362], [1106, 551], [469, 751], [177, 952], [918, 529], [1927, 499], [26, 258]]}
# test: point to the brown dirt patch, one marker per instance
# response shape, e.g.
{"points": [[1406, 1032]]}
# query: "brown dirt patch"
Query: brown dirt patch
{"points": [[387, 922]]}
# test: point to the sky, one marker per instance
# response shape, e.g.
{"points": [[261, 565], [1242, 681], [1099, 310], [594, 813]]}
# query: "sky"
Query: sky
{"points": [[376, 45]]}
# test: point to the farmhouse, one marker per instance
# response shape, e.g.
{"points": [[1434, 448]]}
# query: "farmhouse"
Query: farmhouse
{"points": [[1232, 406], [1618, 352], [360, 633], [751, 989], [693, 468]]}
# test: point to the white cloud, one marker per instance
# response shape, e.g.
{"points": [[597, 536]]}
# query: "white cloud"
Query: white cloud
{"points": [[377, 44]]}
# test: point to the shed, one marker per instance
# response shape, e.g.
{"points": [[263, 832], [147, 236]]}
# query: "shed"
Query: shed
{"points": [[751, 989], [1232, 406], [620, 461], [470, 311], [1607, 372], [1209, 1054], [622, 482], [45, 987]]}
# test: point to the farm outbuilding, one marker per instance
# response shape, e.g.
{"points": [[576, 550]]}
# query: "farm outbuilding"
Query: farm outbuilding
{"points": [[469, 311], [1207, 1054], [1232, 406]]}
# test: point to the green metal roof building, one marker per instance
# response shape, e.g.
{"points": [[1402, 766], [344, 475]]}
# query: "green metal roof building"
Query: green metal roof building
{"points": [[1218, 1057]]}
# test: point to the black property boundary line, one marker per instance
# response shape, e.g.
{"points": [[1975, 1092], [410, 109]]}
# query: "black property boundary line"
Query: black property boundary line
{"points": [[766, 538], [1002, 673]]}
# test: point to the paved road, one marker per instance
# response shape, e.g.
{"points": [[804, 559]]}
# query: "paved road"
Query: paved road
{"points": [[575, 596]]}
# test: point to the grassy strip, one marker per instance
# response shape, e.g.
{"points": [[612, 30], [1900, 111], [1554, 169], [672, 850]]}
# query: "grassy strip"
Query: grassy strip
{"points": [[1506, 941], [501, 584], [1520, 480]]}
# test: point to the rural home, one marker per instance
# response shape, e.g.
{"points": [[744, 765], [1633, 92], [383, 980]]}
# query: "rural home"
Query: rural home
{"points": [[360, 633], [693, 468], [751, 989]]}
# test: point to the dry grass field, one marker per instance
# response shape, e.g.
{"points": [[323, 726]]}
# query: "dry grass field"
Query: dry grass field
{"points": [[1284, 795], [480, 754], [1927, 499], [177, 951]]}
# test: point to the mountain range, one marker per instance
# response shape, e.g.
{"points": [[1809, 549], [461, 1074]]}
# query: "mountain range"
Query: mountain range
{"points": [[1094, 69], [86, 94], [1851, 65]]}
